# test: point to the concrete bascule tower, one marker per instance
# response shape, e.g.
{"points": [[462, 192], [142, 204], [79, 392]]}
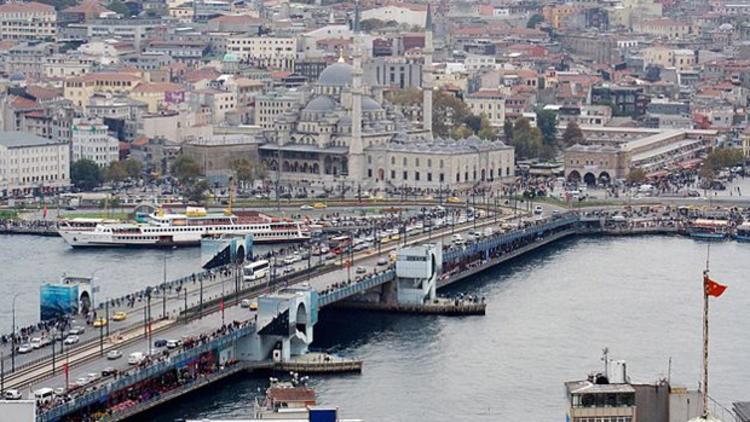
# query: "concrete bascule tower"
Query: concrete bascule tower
{"points": [[427, 74]]}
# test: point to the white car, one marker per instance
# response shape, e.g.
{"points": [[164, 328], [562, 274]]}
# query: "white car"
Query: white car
{"points": [[36, 342], [72, 339], [82, 381], [77, 330], [306, 207], [93, 376], [361, 270], [245, 303], [538, 210], [173, 344], [12, 394], [114, 354], [382, 261], [25, 348], [135, 358]]}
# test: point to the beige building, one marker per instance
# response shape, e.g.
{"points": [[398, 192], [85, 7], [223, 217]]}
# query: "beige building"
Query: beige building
{"points": [[610, 153], [156, 95], [408, 14], [28, 21], [679, 58], [29, 163], [664, 27], [274, 52], [61, 66], [80, 89], [270, 105], [488, 102]]}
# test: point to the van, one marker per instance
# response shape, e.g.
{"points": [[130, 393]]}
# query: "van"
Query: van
{"points": [[44, 395], [135, 358]]}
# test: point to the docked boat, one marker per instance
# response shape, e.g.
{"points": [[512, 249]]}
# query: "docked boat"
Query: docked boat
{"points": [[172, 229], [742, 232], [708, 229]]}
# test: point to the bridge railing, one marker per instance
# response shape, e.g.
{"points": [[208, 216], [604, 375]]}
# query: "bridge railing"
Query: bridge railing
{"points": [[178, 359], [455, 254], [356, 287]]}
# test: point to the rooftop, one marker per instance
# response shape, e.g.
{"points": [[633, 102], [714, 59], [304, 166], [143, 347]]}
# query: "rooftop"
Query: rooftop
{"points": [[23, 139]]}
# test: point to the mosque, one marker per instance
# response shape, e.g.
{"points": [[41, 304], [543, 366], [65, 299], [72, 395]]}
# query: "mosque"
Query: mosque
{"points": [[347, 133]]}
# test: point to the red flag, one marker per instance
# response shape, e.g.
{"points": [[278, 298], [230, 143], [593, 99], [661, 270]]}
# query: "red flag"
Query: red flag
{"points": [[712, 288], [221, 305], [44, 215]]}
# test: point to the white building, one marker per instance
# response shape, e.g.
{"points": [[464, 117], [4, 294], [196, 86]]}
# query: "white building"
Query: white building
{"points": [[414, 15], [274, 52], [90, 139], [27, 21], [31, 163]]}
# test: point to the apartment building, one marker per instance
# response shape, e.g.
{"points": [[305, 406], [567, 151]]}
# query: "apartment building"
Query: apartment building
{"points": [[90, 140], [27, 21], [273, 52], [31, 163]]}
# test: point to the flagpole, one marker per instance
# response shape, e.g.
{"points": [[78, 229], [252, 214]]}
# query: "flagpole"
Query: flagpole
{"points": [[705, 347]]}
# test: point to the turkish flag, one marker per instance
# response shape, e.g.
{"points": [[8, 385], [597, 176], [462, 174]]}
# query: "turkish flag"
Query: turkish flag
{"points": [[712, 288], [221, 305]]}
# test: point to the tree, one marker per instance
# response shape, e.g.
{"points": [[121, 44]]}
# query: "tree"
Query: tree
{"points": [[718, 159], [474, 122], [636, 176], [546, 121], [244, 171], [119, 7], [508, 130], [185, 169], [461, 132], [134, 168], [116, 172], [85, 174], [534, 20], [486, 131], [448, 112], [572, 134], [196, 191], [526, 139], [369, 25]]}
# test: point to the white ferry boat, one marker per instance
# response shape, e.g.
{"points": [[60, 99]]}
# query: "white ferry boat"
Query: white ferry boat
{"points": [[171, 229]]}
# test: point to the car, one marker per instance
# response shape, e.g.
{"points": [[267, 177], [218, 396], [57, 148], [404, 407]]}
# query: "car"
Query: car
{"points": [[173, 344], [319, 205], [453, 200], [108, 371], [322, 195], [36, 342], [289, 260], [59, 391], [114, 354], [72, 339], [306, 207], [100, 322], [160, 343], [46, 341], [245, 303], [538, 210], [93, 376], [288, 270], [136, 358], [361, 270], [253, 306], [361, 247], [77, 330], [382, 261], [120, 316], [82, 381], [12, 394], [24, 348]]}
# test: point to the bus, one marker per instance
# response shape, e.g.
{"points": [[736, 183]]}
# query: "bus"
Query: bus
{"points": [[340, 244], [255, 270]]}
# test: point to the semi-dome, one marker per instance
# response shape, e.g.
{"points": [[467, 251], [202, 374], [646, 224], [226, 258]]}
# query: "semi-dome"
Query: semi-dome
{"points": [[368, 104], [321, 104], [337, 74]]}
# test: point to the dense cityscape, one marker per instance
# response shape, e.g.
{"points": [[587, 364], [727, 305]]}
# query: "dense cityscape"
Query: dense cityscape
{"points": [[374, 210]]}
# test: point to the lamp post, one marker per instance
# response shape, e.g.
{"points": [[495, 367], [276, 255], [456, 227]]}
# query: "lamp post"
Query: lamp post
{"points": [[13, 334]]}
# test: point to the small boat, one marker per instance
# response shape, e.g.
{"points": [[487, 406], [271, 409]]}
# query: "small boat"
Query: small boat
{"points": [[703, 228], [742, 232]]}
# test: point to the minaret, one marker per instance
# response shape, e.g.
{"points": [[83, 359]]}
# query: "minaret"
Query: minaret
{"points": [[427, 74], [356, 153]]}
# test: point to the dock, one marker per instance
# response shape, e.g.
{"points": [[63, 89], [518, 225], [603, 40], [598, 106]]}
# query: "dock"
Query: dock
{"points": [[320, 363]]}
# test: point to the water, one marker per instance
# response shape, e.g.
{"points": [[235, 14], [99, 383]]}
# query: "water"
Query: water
{"points": [[549, 315]]}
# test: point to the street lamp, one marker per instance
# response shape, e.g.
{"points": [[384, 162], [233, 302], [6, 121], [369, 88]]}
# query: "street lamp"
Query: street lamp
{"points": [[13, 334]]}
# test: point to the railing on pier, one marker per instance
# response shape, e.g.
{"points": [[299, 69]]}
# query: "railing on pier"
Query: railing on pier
{"points": [[457, 254], [356, 287], [178, 359]]}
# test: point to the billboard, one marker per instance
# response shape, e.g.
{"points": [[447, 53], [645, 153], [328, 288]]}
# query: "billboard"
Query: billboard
{"points": [[56, 300], [174, 97]]}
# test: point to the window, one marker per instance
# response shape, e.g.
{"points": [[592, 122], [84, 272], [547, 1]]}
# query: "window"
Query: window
{"points": [[416, 162], [429, 177], [416, 175], [369, 172], [404, 161], [393, 174], [406, 175]]}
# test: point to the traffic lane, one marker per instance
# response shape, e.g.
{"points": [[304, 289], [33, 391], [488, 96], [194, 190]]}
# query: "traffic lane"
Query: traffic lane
{"points": [[205, 325]]}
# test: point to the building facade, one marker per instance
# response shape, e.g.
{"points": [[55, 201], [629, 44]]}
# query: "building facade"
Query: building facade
{"points": [[32, 164], [90, 140], [28, 21]]}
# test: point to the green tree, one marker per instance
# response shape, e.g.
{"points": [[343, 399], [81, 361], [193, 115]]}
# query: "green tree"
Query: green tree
{"points": [[85, 174], [572, 134], [461, 132], [118, 7], [486, 131], [244, 171], [134, 168], [474, 122], [527, 140], [534, 20], [185, 169], [636, 175], [546, 121], [508, 130], [116, 172], [448, 112], [196, 191], [374, 24], [718, 159]]}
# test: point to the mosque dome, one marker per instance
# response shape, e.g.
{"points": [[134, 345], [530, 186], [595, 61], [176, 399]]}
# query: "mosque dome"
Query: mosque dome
{"points": [[320, 104], [229, 57], [337, 74], [368, 104]]}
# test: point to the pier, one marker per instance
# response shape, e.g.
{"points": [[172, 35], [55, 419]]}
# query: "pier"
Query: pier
{"points": [[216, 337]]}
